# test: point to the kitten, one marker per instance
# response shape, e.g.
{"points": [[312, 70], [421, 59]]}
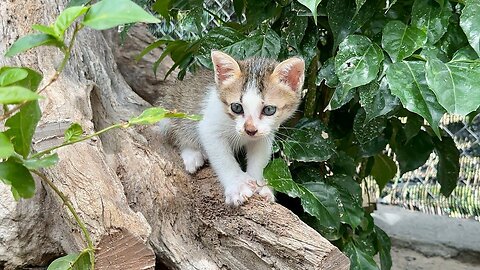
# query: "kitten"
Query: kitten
{"points": [[242, 110]]}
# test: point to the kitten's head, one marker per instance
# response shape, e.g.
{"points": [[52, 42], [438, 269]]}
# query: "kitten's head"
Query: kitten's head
{"points": [[259, 94]]}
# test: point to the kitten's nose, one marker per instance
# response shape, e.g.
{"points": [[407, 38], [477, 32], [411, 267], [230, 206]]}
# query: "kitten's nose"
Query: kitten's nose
{"points": [[249, 127], [251, 132]]}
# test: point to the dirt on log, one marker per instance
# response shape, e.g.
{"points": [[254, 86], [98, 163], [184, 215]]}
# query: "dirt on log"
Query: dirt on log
{"points": [[128, 186]]}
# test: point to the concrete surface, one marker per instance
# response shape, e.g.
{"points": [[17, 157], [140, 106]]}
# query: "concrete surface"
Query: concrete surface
{"points": [[423, 241]]}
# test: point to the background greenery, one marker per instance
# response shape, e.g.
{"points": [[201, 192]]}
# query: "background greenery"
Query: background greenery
{"points": [[380, 76]]}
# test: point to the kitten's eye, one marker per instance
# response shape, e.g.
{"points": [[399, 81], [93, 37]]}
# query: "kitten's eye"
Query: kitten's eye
{"points": [[236, 108], [269, 110]]}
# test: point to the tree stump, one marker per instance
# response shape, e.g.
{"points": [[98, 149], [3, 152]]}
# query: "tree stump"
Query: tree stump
{"points": [[128, 186]]}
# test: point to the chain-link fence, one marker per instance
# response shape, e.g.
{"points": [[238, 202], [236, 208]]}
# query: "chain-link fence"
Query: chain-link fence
{"points": [[417, 190]]}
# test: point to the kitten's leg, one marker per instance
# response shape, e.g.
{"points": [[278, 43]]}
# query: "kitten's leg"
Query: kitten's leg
{"points": [[258, 155], [238, 185], [192, 159]]}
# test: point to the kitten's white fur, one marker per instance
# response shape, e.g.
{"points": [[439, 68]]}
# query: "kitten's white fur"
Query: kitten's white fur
{"points": [[219, 135]]}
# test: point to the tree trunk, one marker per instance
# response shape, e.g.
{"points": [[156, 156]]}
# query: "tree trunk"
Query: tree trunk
{"points": [[129, 187]]}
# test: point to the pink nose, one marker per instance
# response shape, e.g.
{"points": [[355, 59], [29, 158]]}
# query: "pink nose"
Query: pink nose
{"points": [[251, 132], [249, 127]]}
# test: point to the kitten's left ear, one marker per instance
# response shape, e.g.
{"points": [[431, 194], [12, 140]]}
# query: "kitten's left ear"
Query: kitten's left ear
{"points": [[291, 72]]}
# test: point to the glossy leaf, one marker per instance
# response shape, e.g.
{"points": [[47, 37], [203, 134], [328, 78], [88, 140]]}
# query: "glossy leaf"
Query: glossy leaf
{"points": [[358, 61], [367, 131], [6, 147], [32, 81], [44, 29], [295, 31], [73, 133], [257, 44], [431, 18], [312, 6], [28, 42], [76, 261], [327, 74], [383, 245], [340, 97], [17, 176], [349, 200], [318, 201], [22, 126], [376, 99], [384, 169], [470, 23], [73, 3], [110, 13], [448, 167], [407, 82], [308, 142], [10, 75], [401, 41], [344, 19], [455, 84], [15, 94], [359, 260], [414, 153], [66, 18], [153, 115], [43, 162]]}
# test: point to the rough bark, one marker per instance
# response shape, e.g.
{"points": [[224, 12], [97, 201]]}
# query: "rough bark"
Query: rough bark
{"points": [[128, 184]]}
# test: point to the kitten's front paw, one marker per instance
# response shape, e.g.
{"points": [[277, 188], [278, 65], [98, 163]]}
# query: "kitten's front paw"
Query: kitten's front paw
{"points": [[239, 193], [266, 193], [192, 159]]}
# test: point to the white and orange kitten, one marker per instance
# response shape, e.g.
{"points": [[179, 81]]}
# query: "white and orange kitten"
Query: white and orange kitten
{"points": [[241, 110]]}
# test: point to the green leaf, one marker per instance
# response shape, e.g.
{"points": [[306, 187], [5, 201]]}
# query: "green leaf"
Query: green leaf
{"points": [[327, 74], [312, 6], [367, 131], [470, 23], [359, 260], [32, 81], [349, 199], [414, 153], [76, 261], [308, 142], [10, 75], [73, 133], [340, 97], [110, 13], [15, 94], [383, 246], [358, 61], [43, 162], [376, 99], [6, 146], [265, 44], [319, 200], [22, 127], [384, 169], [412, 126], [153, 115], [162, 7], [431, 18], [344, 19], [16, 175], [239, 7], [455, 84], [31, 41], [401, 41], [44, 29], [74, 3], [359, 4], [407, 82], [66, 18], [294, 32], [448, 167]]}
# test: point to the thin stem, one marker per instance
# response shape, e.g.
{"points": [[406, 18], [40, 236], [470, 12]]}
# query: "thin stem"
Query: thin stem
{"points": [[79, 140], [79, 221], [55, 76]]}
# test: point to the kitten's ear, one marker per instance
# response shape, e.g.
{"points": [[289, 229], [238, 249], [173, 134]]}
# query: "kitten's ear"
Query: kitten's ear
{"points": [[226, 68], [291, 72]]}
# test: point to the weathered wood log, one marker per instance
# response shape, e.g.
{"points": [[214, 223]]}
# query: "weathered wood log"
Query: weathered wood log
{"points": [[128, 184]]}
